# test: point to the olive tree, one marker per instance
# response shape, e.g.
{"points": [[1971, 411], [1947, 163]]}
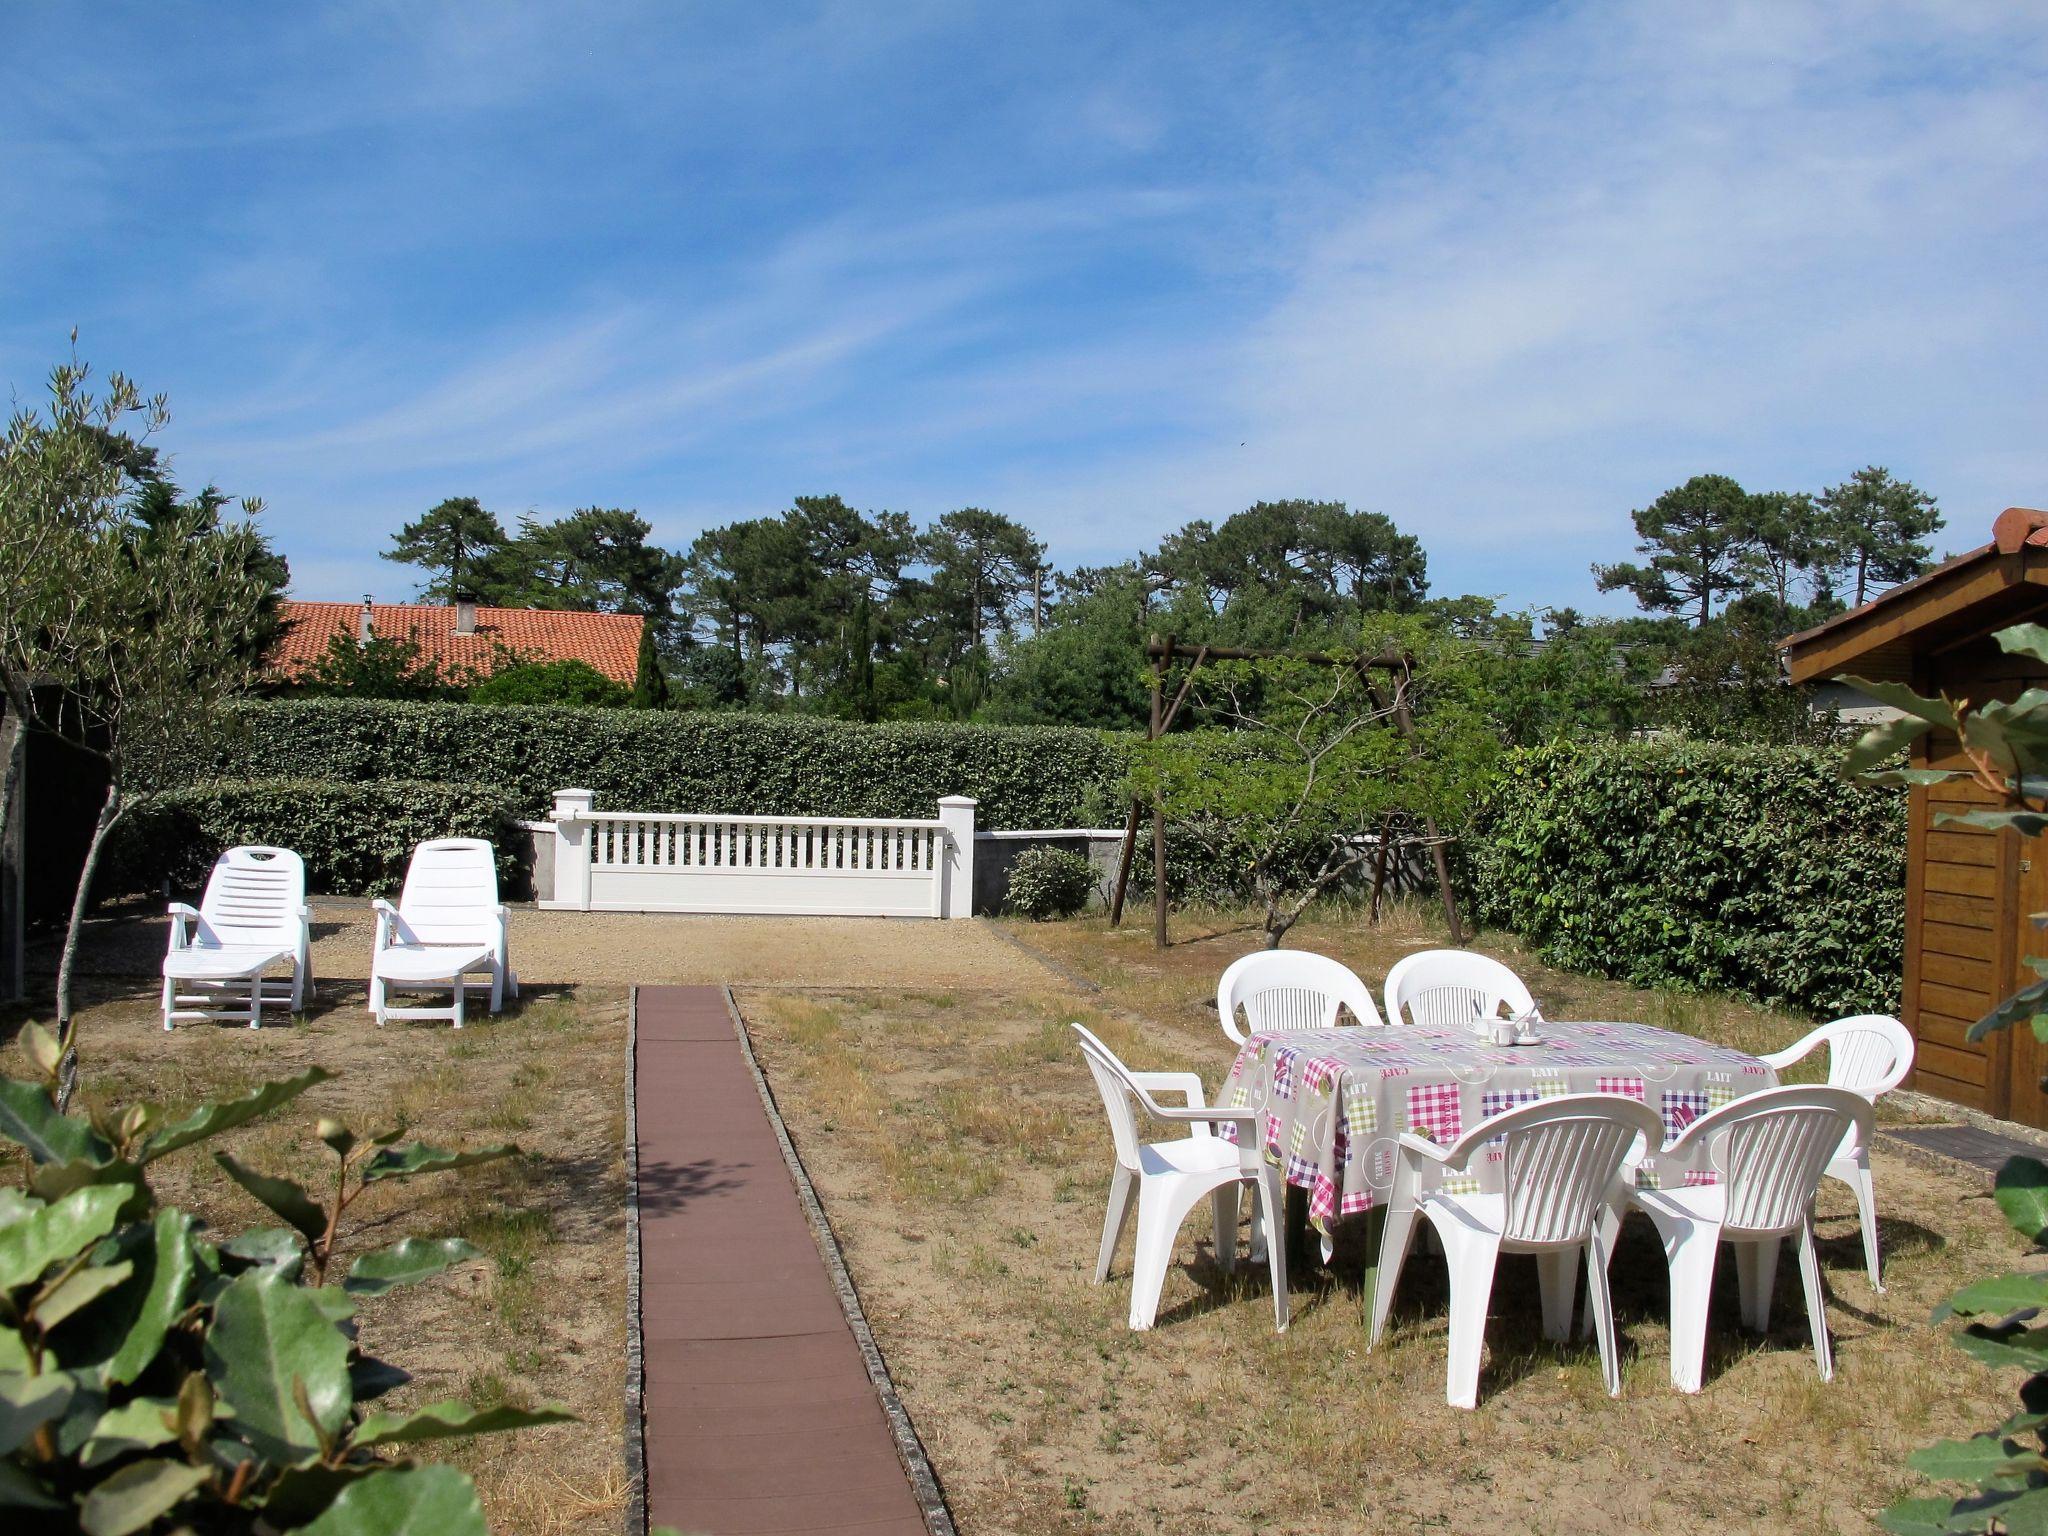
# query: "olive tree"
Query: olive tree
{"points": [[1296, 766], [123, 639]]}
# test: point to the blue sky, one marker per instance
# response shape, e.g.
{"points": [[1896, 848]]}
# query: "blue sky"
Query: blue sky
{"points": [[1502, 272]]}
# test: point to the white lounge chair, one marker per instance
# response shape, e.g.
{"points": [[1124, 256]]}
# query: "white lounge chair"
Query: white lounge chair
{"points": [[1559, 1160], [448, 926], [1869, 1055], [1168, 1177], [1452, 986], [1289, 989], [1765, 1154], [252, 917]]}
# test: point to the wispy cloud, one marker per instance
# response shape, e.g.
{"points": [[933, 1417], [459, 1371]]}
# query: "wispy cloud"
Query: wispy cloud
{"points": [[1503, 272]]}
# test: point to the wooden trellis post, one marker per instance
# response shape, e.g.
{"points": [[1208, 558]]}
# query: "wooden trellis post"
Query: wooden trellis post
{"points": [[1162, 654]]}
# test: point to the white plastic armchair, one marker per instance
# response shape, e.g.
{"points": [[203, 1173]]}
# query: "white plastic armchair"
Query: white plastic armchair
{"points": [[1452, 986], [1559, 1162], [1289, 989], [253, 917], [1746, 1174], [1869, 1054], [1170, 1177], [447, 927]]}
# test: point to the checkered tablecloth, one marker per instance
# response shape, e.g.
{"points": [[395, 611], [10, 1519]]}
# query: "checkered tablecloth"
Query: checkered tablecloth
{"points": [[1333, 1101]]}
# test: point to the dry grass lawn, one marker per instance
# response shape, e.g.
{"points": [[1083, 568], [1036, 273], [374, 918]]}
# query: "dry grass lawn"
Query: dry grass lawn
{"points": [[542, 1318], [961, 1151]]}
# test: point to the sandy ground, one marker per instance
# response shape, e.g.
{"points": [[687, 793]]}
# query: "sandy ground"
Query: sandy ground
{"points": [[962, 1154], [929, 1077], [623, 948]]}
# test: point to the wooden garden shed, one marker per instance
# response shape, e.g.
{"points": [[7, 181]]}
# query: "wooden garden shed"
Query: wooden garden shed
{"points": [[1968, 890]]}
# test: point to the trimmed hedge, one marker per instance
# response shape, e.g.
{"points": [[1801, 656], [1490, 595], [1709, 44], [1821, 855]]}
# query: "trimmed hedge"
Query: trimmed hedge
{"points": [[641, 760], [356, 838], [1756, 870]]}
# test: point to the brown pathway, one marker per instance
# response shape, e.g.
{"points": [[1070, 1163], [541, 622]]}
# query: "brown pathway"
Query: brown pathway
{"points": [[759, 1414]]}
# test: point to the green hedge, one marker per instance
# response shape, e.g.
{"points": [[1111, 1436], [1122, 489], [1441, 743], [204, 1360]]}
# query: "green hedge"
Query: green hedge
{"points": [[1755, 870], [641, 760], [355, 837]]}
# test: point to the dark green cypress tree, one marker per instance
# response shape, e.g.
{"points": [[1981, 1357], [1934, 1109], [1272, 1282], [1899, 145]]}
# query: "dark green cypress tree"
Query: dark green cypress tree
{"points": [[650, 683]]}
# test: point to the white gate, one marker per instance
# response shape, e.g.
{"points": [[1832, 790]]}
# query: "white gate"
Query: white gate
{"points": [[625, 861]]}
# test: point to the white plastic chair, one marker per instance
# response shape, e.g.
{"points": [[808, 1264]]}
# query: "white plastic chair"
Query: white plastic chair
{"points": [[252, 917], [1559, 1161], [1289, 989], [448, 925], [1766, 1153], [1869, 1054], [1452, 986], [1169, 1177]]}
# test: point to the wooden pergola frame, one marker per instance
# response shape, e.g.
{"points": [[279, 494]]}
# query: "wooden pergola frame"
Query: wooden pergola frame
{"points": [[1162, 653]]}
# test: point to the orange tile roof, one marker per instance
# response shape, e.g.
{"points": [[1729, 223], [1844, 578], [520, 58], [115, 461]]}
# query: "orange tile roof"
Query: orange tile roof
{"points": [[610, 642]]}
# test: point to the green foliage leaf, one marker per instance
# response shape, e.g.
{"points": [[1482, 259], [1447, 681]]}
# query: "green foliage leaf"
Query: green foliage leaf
{"points": [[405, 1263], [141, 1424], [212, 1119], [13, 1352], [410, 1501], [133, 1498], [19, 1490], [335, 1304], [272, 1247], [59, 1231], [2026, 823], [80, 1290], [1966, 1461], [27, 1403], [2021, 1190], [1900, 697], [2024, 640], [53, 1181], [2000, 1295], [2026, 1348], [29, 1119], [300, 1493], [2023, 1004], [286, 1199], [1882, 743], [416, 1157], [1917, 1517], [1908, 778], [268, 1334], [158, 1298], [443, 1421]]}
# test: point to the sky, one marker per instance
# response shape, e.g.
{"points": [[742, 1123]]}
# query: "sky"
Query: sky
{"points": [[1502, 272]]}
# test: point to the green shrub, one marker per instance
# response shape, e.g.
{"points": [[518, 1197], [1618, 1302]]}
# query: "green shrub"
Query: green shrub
{"points": [[652, 760], [1050, 882], [355, 837], [569, 682], [155, 1374], [1754, 870]]}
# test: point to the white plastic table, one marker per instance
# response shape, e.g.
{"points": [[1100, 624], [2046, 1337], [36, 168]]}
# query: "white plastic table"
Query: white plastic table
{"points": [[1334, 1101]]}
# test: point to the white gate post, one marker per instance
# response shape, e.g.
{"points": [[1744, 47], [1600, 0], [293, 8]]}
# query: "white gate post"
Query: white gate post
{"points": [[572, 848], [956, 814]]}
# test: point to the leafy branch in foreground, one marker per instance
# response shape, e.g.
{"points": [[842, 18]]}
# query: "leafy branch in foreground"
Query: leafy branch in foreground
{"points": [[150, 1374], [2006, 1468]]}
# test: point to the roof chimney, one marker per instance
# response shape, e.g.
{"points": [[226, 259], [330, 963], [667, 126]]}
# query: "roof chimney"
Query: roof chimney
{"points": [[465, 613], [365, 625]]}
